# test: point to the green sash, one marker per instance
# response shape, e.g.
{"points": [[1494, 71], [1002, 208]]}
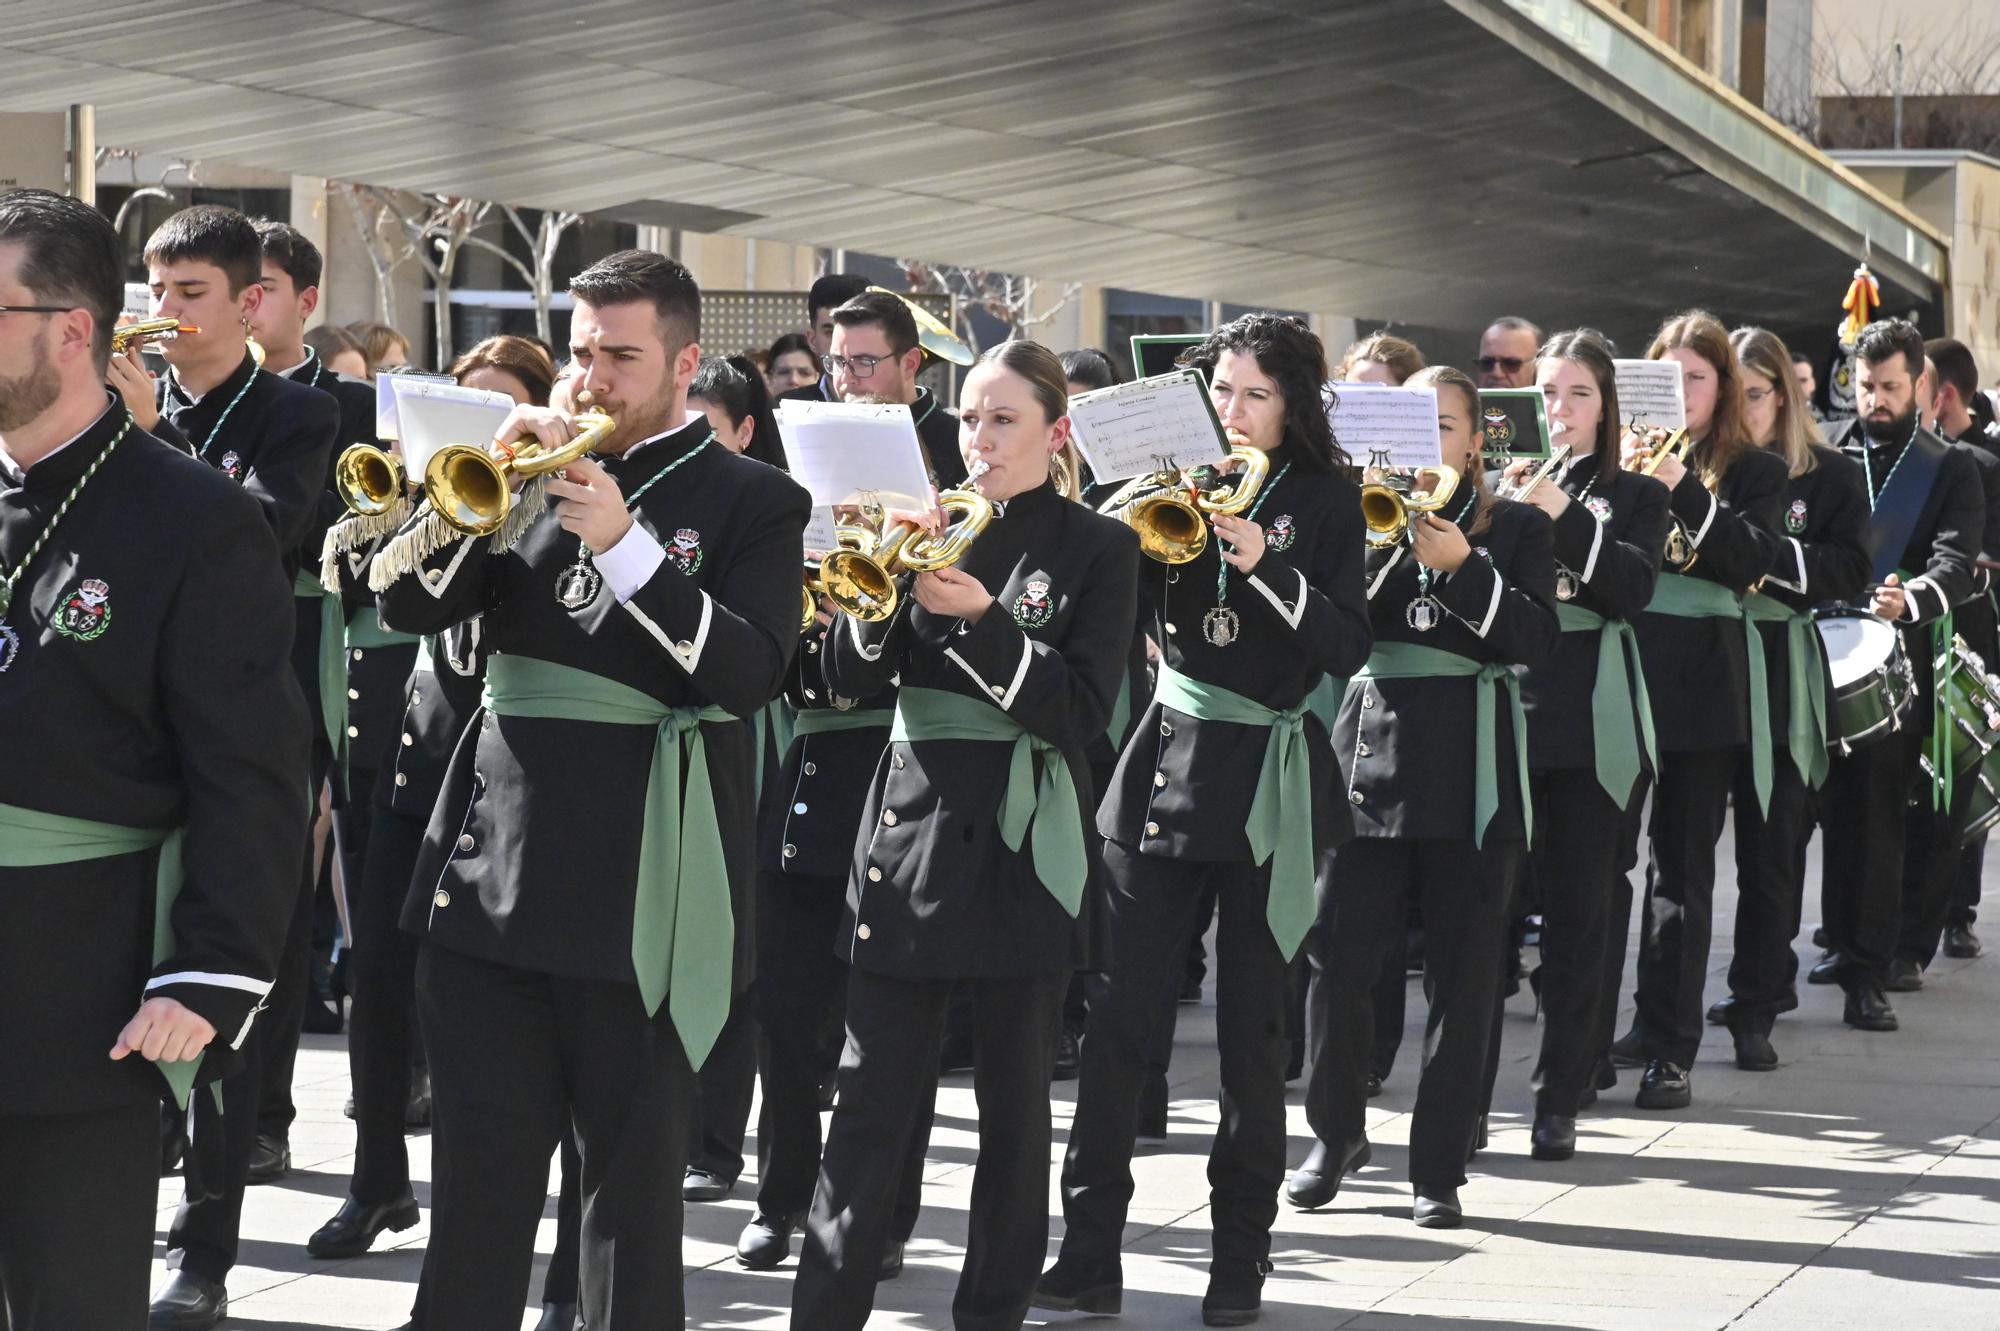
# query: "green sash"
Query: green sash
{"points": [[1280, 826], [1805, 720], [1413, 660], [1121, 713], [29, 837], [1049, 802], [828, 720], [775, 722], [683, 926], [1682, 597], [1621, 683], [1324, 701], [332, 662], [364, 629]]}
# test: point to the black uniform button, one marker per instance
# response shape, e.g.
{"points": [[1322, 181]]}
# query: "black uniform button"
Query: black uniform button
{"points": [[1172, 629], [800, 807], [1363, 751], [409, 739], [1354, 797], [791, 851], [862, 932], [888, 817], [357, 653], [897, 762], [811, 696], [1159, 780], [1367, 700], [874, 874], [442, 899], [1152, 829], [402, 778], [353, 732], [415, 697], [812, 648], [811, 769], [465, 841], [1166, 729], [354, 693]]}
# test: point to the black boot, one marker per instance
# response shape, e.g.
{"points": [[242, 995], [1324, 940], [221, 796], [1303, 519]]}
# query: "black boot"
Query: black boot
{"points": [[1754, 1051], [1868, 1008], [1626, 1051], [1074, 1286], [1553, 1137], [1436, 1207], [1316, 1182], [187, 1303], [1235, 1293], [1664, 1086]]}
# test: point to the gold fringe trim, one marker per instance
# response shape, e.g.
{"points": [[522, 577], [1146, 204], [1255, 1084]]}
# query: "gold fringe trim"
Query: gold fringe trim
{"points": [[527, 506], [352, 533], [427, 534]]}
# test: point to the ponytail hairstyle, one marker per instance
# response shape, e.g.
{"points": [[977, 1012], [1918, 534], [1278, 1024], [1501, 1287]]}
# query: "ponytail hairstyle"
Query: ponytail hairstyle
{"points": [[1450, 379], [1046, 376], [1292, 355], [1592, 350], [735, 384]]}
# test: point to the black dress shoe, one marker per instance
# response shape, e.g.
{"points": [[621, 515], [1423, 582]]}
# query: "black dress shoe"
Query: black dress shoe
{"points": [[1626, 1051], [1435, 1207], [1071, 1286], [1069, 1057], [1754, 1051], [892, 1260], [1827, 969], [1819, 936], [765, 1242], [1374, 1086], [1553, 1137], [1317, 1181], [1235, 1293], [1719, 1010], [270, 1159], [699, 1185], [187, 1303], [1664, 1086], [354, 1226], [1960, 943], [1905, 977], [1152, 1111], [417, 1112], [1868, 1009], [557, 1317]]}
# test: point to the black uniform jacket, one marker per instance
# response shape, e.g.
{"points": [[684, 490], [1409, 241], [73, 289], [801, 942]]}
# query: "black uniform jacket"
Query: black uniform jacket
{"points": [[378, 678], [933, 889], [149, 689], [811, 805], [277, 444], [936, 427], [532, 853], [437, 705], [1973, 619], [1698, 670], [1410, 743], [1609, 539], [1823, 556], [1183, 787]]}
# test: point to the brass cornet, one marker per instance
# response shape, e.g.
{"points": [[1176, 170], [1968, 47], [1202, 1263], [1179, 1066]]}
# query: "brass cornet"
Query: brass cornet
{"points": [[146, 330], [1388, 501], [471, 487], [1171, 513], [369, 480], [1557, 456], [862, 582], [1675, 445]]}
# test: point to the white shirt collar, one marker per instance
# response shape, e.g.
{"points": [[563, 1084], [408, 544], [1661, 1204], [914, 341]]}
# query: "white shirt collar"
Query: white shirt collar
{"points": [[16, 477], [691, 418]]}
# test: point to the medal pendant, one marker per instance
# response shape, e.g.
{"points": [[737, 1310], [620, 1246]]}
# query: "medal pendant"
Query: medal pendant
{"points": [[577, 586], [10, 646], [6, 596], [1565, 585], [1677, 547], [1422, 614], [1220, 626]]}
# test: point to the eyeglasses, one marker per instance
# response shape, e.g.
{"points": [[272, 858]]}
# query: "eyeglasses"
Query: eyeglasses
{"points": [[855, 367], [1756, 395], [1511, 364], [36, 309]]}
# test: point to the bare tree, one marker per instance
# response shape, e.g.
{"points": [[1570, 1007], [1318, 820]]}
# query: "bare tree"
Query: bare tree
{"points": [[435, 232], [375, 223], [542, 242], [1944, 79], [158, 190], [1006, 297]]}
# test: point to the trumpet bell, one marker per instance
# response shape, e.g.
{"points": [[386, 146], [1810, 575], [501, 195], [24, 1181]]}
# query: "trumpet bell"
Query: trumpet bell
{"points": [[468, 487], [933, 335], [1171, 529], [859, 585], [369, 480], [1386, 504]]}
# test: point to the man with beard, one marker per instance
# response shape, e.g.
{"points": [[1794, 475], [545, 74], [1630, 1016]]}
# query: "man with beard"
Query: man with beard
{"points": [[1925, 531], [156, 765], [584, 886]]}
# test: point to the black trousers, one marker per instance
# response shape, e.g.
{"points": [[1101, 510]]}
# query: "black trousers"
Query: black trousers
{"points": [[1863, 821], [888, 1072], [723, 1091], [77, 1193], [801, 988], [1930, 868], [1152, 905], [518, 1060], [285, 1011], [1464, 892], [1577, 877], [382, 971], [1770, 885], [1966, 884], [1690, 803]]}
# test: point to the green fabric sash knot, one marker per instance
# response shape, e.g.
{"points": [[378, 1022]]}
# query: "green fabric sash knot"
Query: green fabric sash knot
{"points": [[1805, 672], [1413, 660], [1681, 597], [1616, 699], [1280, 824], [30, 837], [332, 662], [1049, 802], [364, 629], [1325, 699], [683, 925]]}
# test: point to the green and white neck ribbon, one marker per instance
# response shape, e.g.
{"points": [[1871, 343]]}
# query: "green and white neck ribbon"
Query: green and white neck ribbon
{"points": [[1805, 674], [1041, 805], [1621, 711], [1681, 597], [30, 838], [332, 661], [683, 923], [1414, 660], [1280, 823]]}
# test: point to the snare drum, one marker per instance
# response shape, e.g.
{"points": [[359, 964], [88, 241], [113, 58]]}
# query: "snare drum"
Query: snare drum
{"points": [[1985, 808], [1872, 683], [1972, 701]]}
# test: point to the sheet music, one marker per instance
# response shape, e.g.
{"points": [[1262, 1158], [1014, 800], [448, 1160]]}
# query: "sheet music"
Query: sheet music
{"points": [[1650, 394], [387, 423], [433, 414], [847, 452], [821, 535], [1130, 429], [1380, 426]]}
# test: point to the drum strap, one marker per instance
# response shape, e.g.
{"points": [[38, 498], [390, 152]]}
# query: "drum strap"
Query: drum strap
{"points": [[1901, 504]]}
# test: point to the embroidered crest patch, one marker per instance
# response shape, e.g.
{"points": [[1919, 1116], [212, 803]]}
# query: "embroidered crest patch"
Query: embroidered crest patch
{"points": [[1281, 533], [1795, 517], [1483, 553], [1034, 606], [85, 613], [1599, 506], [232, 465], [1499, 431], [685, 550]]}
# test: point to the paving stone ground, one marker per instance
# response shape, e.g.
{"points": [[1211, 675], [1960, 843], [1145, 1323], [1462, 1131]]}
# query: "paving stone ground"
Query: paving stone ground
{"points": [[1857, 1186]]}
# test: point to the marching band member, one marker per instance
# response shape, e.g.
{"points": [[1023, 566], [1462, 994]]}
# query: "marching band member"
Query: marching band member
{"points": [[1823, 558], [1704, 674], [1438, 785], [1224, 785], [971, 864], [582, 886], [1590, 740]]}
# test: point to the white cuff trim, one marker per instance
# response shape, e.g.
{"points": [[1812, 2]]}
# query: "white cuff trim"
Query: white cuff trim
{"points": [[1292, 613], [1912, 611], [1799, 558], [686, 652], [630, 562], [1003, 696], [1382, 573], [213, 979], [868, 652], [1492, 608], [1706, 523], [1596, 544], [435, 581]]}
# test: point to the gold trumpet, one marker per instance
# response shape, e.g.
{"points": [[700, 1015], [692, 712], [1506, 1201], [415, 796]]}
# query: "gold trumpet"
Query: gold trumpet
{"points": [[1170, 512], [850, 538], [1388, 502], [1557, 456], [146, 330], [862, 582], [1675, 445], [471, 487], [369, 480]]}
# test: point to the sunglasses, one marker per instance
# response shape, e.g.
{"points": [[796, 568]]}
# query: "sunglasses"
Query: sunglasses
{"points": [[1511, 364]]}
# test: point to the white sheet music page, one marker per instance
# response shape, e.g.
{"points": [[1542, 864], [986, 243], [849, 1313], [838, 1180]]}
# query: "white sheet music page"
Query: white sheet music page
{"points": [[855, 452], [1148, 425], [1650, 395], [1381, 426], [433, 414]]}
